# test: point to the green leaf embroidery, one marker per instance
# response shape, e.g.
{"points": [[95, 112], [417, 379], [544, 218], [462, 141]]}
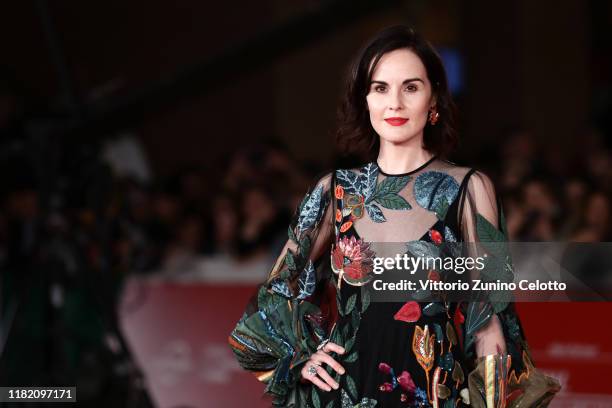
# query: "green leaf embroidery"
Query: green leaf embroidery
{"points": [[336, 337], [439, 333], [345, 331], [393, 202], [391, 185], [352, 357], [350, 304], [352, 388], [349, 344], [375, 213], [290, 260], [340, 309], [365, 299], [478, 314], [432, 309], [441, 209], [369, 175], [446, 361], [305, 246], [487, 231], [292, 234], [346, 400], [316, 402], [306, 282], [355, 319], [330, 404], [310, 209]]}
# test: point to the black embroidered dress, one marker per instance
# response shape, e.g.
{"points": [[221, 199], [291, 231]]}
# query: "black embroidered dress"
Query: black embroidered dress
{"points": [[398, 354]]}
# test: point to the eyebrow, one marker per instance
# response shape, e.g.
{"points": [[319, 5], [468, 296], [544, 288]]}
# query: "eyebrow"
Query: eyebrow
{"points": [[406, 81]]}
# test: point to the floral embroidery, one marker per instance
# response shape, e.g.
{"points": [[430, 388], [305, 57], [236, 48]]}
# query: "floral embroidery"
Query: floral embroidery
{"points": [[354, 206], [435, 236], [338, 215], [363, 192], [311, 209], [345, 227], [435, 191], [348, 403], [448, 235], [421, 398], [339, 192], [409, 313], [352, 260], [404, 380], [423, 348]]}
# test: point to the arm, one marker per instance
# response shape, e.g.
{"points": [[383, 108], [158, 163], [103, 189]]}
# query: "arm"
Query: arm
{"points": [[283, 323], [480, 201], [504, 373]]}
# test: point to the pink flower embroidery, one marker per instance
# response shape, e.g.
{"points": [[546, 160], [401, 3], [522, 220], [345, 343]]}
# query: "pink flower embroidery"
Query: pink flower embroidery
{"points": [[352, 260]]}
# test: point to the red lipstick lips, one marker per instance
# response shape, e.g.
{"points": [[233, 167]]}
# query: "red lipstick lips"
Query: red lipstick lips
{"points": [[396, 121]]}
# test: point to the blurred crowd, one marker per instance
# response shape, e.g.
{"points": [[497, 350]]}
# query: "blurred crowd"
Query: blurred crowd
{"points": [[555, 192]]}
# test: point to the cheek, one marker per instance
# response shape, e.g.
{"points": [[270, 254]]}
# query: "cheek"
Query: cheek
{"points": [[421, 104], [376, 105]]}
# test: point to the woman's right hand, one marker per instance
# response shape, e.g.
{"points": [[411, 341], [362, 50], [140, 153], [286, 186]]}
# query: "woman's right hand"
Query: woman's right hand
{"points": [[322, 379]]}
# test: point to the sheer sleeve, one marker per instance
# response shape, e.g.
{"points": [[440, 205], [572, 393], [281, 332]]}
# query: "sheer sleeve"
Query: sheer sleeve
{"points": [[504, 373], [288, 317]]}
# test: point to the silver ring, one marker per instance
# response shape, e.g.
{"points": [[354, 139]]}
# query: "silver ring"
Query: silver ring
{"points": [[312, 370], [323, 343]]}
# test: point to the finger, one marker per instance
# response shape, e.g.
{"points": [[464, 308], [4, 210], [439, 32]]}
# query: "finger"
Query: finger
{"points": [[316, 380], [333, 347], [322, 357], [327, 378]]}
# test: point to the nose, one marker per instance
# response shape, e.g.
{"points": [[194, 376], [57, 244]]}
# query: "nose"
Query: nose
{"points": [[395, 102]]}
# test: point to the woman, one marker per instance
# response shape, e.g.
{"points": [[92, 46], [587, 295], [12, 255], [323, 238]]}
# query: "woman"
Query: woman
{"points": [[314, 333]]}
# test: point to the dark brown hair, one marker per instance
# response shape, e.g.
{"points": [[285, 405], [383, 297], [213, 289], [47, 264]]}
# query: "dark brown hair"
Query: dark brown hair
{"points": [[355, 135]]}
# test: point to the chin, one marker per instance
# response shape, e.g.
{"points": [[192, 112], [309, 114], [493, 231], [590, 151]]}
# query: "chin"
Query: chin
{"points": [[396, 138]]}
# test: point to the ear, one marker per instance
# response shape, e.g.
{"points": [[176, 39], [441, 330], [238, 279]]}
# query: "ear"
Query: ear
{"points": [[433, 101]]}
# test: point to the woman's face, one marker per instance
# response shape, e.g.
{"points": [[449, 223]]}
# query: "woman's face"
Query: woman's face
{"points": [[399, 89]]}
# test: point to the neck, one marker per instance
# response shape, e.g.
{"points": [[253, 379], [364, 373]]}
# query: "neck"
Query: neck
{"points": [[402, 158]]}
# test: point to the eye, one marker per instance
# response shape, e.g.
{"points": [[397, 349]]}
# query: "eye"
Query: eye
{"points": [[412, 88], [379, 88]]}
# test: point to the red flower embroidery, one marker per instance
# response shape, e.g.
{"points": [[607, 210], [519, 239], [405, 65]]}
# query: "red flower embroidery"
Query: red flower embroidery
{"points": [[338, 215], [384, 368], [405, 381], [386, 387], [410, 312], [435, 236], [339, 192], [352, 259], [344, 227]]}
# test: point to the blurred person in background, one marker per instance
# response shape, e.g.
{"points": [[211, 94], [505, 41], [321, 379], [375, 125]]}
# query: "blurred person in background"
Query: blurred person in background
{"points": [[538, 213], [595, 223], [261, 222], [575, 193]]}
